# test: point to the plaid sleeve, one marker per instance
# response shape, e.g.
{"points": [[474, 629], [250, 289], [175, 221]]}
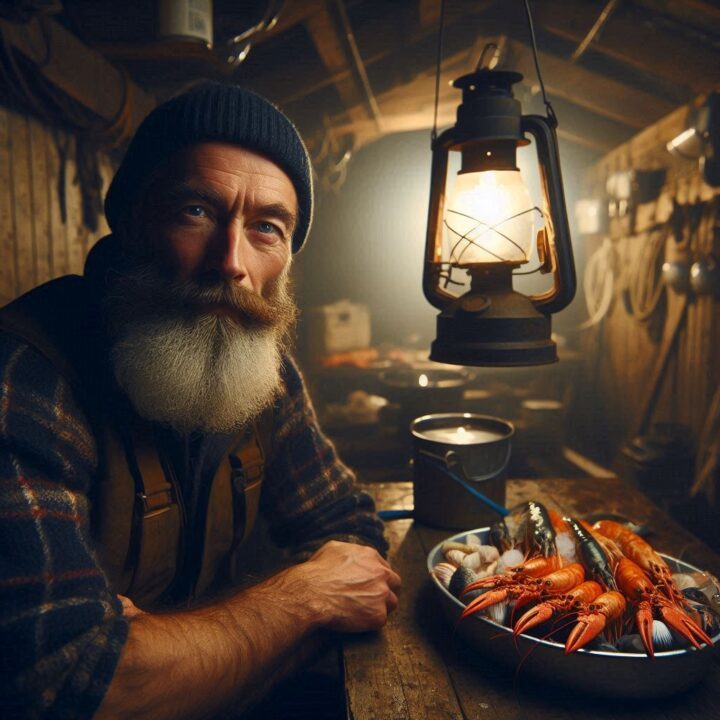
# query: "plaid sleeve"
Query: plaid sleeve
{"points": [[61, 628], [309, 495]]}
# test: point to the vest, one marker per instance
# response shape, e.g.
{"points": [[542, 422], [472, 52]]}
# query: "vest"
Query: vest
{"points": [[137, 520]]}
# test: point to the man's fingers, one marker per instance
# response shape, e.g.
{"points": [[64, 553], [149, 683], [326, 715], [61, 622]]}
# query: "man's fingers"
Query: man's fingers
{"points": [[394, 581]]}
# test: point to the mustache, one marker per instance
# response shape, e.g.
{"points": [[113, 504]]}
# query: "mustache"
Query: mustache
{"points": [[239, 302], [144, 292]]}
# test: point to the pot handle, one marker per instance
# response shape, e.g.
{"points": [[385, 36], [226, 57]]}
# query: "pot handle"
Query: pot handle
{"points": [[444, 462]]}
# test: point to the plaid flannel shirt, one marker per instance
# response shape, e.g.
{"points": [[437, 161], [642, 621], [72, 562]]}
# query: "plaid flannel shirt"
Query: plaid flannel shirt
{"points": [[61, 627]]}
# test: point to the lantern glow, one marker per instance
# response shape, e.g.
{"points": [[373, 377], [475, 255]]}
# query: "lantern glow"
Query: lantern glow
{"points": [[489, 218], [485, 226]]}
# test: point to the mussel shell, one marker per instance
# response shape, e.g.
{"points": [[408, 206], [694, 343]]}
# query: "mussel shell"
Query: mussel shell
{"points": [[630, 643], [460, 579], [695, 594]]}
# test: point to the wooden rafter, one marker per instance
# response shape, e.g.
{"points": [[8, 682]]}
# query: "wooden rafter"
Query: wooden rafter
{"points": [[79, 71], [336, 57], [638, 45], [586, 88]]}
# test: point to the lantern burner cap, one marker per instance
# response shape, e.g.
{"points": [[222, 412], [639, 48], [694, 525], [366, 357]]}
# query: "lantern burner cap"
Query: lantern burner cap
{"points": [[491, 82]]}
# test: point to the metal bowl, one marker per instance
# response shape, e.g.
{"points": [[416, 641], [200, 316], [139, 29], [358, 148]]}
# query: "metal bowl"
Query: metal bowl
{"points": [[617, 675]]}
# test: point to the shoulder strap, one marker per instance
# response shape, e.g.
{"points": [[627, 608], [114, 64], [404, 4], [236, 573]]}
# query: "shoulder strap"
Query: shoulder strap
{"points": [[234, 498]]}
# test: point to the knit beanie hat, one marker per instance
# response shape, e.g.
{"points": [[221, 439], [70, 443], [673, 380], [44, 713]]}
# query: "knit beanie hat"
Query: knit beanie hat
{"points": [[213, 111]]}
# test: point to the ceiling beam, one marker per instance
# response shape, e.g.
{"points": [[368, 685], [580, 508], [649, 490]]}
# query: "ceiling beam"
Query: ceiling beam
{"points": [[410, 107], [586, 88], [339, 62], [639, 45], [79, 71]]}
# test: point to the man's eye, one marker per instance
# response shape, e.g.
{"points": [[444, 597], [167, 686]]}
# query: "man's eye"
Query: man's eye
{"points": [[268, 227], [196, 211]]}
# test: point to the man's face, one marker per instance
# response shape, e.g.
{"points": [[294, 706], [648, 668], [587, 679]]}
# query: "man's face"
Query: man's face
{"points": [[199, 327], [221, 213]]}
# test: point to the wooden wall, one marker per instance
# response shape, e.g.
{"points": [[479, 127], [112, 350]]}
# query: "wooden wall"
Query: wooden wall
{"points": [[622, 356], [35, 244]]}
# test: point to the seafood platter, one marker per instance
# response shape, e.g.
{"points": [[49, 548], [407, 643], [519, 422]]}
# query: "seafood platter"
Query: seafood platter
{"points": [[593, 607]]}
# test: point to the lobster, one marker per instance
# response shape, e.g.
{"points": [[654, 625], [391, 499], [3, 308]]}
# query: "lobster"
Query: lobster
{"points": [[594, 618], [575, 599], [642, 554], [648, 602], [522, 589]]}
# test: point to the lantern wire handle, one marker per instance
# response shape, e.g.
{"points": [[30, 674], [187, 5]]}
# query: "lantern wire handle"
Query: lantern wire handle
{"points": [[433, 135], [549, 108], [481, 64]]}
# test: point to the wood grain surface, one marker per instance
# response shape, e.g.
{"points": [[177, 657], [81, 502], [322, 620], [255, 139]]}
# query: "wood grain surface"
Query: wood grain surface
{"points": [[417, 669]]}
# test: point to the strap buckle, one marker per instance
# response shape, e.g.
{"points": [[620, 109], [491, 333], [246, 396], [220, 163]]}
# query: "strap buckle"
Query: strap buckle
{"points": [[157, 501]]}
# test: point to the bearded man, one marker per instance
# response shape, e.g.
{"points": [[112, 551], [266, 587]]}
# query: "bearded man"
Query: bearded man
{"points": [[144, 407]]}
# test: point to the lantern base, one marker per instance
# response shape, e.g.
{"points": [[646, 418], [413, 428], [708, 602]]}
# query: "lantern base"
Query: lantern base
{"points": [[498, 327]]}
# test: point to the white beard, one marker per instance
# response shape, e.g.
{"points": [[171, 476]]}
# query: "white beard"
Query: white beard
{"points": [[190, 370], [200, 374]]}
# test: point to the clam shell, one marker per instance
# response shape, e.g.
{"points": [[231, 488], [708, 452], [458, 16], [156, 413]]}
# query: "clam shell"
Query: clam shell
{"points": [[447, 546], [491, 569], [473, 541], [472, 561], [443, 572], [488, 553], [455, 557]]}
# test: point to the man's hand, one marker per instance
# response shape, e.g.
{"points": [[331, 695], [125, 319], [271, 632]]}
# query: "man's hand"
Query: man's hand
{"points": [[351, 586]]}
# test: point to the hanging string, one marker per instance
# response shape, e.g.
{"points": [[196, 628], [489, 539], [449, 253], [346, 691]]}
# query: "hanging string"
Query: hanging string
{"points": [[548, 107], [433, 135]]}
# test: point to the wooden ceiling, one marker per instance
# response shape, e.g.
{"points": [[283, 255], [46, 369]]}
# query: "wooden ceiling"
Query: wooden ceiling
{"points": [[350, 71]]}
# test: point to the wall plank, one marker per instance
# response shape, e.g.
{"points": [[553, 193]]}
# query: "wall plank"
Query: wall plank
{"points": [[8, 289], [58, 228], [35, 243], [622, 374], [22, 202], [40, 188]]}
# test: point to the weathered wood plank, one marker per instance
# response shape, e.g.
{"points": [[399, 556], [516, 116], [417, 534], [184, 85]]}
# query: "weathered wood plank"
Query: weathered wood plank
{"points": [[40, 200], [58, 227], [640, 45], [591, 90], [411, 682], [77, 232], [8, 287], [22, 201], [332, 50]]}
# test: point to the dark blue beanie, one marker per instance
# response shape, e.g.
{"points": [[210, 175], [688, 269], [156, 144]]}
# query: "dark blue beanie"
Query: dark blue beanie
{"points": [[213, 111]]}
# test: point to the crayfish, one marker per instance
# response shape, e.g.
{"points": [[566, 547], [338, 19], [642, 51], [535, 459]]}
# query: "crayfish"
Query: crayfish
{"points": [[619, 582]]}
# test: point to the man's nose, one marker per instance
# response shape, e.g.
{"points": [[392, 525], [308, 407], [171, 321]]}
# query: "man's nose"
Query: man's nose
{"points": [[230, 254]]}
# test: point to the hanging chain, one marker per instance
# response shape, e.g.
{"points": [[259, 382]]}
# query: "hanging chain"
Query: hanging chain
{"points": [[549, 108], [433, 135]]}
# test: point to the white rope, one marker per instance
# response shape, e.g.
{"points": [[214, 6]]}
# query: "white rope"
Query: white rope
{"points": [[599, 283]]}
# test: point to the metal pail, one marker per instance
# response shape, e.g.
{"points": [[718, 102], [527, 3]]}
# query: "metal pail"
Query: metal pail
{"points": [[479, 446]]}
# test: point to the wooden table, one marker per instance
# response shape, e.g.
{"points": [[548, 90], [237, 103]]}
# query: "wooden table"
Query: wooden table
{"points": [[415, 669]]}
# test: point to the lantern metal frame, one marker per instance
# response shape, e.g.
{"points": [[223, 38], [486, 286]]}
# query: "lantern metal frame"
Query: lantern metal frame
{"points": [[492, 324]]}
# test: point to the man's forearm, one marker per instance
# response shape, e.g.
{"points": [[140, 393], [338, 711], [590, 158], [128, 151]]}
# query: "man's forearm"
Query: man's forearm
{"points": [[196, 663]]}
